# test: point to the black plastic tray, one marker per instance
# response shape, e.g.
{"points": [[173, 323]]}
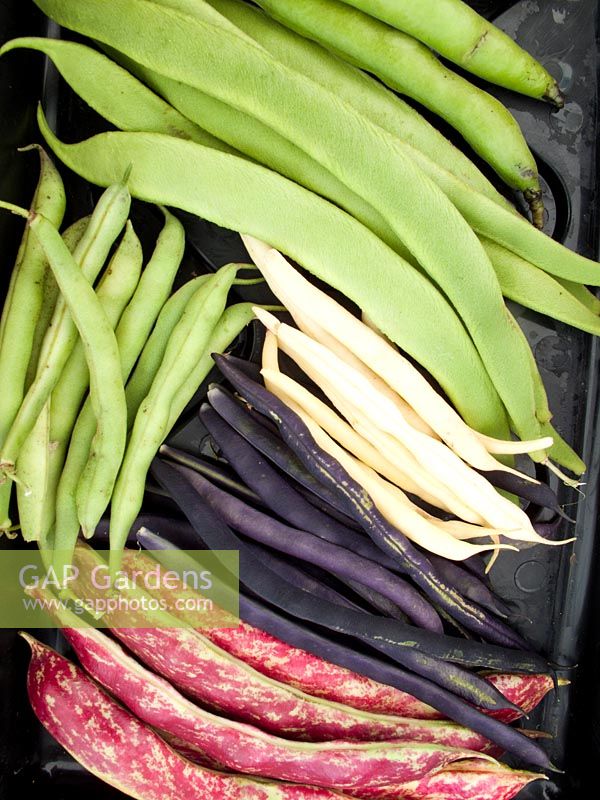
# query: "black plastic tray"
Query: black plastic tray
{"points": [[554, 588]]}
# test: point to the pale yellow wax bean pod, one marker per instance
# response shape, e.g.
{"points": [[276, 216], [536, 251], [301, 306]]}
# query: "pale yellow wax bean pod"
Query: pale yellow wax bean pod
{"points": [[297, 293], [315, 331], [322, 365], [339, 429], [390, 501]]}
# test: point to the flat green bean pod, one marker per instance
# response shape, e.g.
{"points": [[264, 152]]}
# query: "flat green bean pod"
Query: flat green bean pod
{"points": [[535, 289], [328, 242], [252, 138], [409, 67], [112, 91], [132, 332], [22, 308], [367, 95], [186, 346], [219, 61]]}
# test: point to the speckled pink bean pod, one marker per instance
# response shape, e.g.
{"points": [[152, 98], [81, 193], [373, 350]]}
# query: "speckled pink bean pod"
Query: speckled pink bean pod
{"points": [[468, 780], [112, 744], [319, 678], [346, 766]]}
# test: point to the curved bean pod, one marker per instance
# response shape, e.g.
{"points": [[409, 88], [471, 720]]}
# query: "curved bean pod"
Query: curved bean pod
{"points": [[458, 33], [226, 65], [366, 94], [131, 334], [163, 172], [409, 67], [22, 308], [106, 223], [114, 291], [107, 392], [186, 345], [112, 91], [71, 237]]}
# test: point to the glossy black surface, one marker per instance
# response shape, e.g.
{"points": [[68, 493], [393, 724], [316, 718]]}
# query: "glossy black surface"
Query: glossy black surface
{"points": [[554, 589]]}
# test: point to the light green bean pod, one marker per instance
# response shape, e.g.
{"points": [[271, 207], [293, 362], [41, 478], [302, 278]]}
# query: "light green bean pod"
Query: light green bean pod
{"points": [[461, 35], [131, 334], [36, 514], [71, 237], [359, 154], [112, 91], [510, 230], [233, 321], [156, 284], [409, 67], [582, 294], [67, 520], [313, 232], [106, 223], [139, 384], [187, 344], [534, 289], [114, 292], [33, 465], [22, 307], [107, 392], [355, 87], [260, 143]]}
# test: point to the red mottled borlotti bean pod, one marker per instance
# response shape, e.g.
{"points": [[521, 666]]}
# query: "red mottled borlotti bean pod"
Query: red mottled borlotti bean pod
{"points": [[115, 746], [320, 678], [348, 767], [469, 780], [187, 659]]}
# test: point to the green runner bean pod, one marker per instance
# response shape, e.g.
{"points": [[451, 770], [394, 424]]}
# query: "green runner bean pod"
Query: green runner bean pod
{"points": [[532, 288], [326, 241], [106, 223], [114, 292], [107, 392], [358, 152], [22, 307], [355, 87], [112, 91], [409, 67], [131, 334], [260, 143], [187, 345], [461, 35]]}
